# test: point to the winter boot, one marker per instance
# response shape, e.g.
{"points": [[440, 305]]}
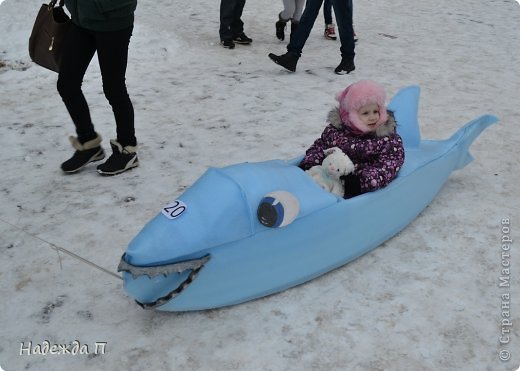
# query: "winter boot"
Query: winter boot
{"points": [[346, 66], [287, 60], [121, 160], [228, 44], [294, 26], [280, 26], [87, 152], [242, 39], [330, 32]]}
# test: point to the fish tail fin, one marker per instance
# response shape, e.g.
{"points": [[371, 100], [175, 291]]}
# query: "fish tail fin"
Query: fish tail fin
{"points": [[466, 135], [405, 106]]}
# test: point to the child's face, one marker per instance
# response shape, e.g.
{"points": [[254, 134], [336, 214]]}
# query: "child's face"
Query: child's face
{"points": [[369, 116]]}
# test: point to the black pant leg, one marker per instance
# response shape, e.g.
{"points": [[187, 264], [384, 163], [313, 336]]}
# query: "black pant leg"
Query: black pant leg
{"points": [[237, 26], [227, 16], [112, 50], [78, 52], [343, 12]]}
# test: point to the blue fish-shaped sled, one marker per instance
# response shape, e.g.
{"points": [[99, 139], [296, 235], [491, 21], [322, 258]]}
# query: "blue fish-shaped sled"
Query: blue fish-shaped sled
{"points": [[208, 249]]}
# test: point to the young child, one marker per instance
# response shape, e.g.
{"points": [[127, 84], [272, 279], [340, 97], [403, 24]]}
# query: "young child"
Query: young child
{"points": [[362, 128]]}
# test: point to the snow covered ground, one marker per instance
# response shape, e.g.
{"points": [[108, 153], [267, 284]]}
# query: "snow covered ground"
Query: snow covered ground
{"points": [[428, 299]]}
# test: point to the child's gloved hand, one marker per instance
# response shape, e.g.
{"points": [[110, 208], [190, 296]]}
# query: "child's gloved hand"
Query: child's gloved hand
{"points": [[352, 185]]}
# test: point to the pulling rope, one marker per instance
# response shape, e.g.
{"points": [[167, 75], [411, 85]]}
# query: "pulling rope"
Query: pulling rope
{"points": [[58, 249]]}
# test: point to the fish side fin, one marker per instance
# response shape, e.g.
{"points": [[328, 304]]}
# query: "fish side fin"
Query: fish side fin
{"points": [[466, 135], [405, 106]]}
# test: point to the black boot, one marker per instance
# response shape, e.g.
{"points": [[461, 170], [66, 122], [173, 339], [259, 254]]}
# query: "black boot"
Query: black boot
{"points": [[346, 66], [123, 158], [87, 152], [287, 60], [280, 25], [242, 39], [294, 26], [228, 44]]}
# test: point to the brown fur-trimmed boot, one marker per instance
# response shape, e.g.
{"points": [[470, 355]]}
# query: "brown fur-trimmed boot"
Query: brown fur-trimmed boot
{"points": [[85, 153]]}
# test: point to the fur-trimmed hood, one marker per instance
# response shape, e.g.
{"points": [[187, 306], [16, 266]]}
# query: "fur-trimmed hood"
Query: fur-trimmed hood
{"points": [[384, 130]]}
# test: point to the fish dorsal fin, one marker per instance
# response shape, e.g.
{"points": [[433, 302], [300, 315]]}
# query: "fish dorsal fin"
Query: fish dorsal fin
{"points": [[405, 105]]}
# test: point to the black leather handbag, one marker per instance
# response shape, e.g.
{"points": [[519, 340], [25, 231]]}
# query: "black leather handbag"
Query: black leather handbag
{"points": [[48, 34]]}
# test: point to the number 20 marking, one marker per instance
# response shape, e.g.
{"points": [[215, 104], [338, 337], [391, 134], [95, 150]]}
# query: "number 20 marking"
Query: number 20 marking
{"points": [[174, 209]]}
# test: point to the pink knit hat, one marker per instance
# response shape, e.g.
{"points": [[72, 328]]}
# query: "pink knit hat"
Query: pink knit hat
{"points": [[358, 95]]}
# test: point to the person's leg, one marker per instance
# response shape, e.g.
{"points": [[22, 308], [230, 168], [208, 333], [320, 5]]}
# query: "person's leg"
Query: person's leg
{"points": [[343, 11], [330, 31], [227, 12], [288, 10], [237, 26], [312, 8], [298, 37], [112, 50], [327, 12], [295, 21], [77, 54], [298, 10], [353, 30]]}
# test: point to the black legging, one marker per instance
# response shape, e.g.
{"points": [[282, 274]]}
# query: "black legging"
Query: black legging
{"points": [[112, 50]]}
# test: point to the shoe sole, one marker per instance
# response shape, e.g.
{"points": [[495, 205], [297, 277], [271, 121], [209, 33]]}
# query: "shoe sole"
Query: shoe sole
{"points": [[127, 167], [95, 158], [242, 42]]}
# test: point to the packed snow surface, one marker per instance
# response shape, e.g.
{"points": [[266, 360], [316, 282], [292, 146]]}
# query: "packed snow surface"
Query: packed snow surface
{"points": [[428, 299]]}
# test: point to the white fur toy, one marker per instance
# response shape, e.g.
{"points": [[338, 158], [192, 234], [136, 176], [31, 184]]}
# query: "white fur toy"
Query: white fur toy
{"points": [[328, 174]]}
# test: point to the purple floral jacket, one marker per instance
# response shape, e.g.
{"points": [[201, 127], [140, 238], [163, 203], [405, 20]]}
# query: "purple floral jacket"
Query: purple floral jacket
{"points": [[377, 157]]}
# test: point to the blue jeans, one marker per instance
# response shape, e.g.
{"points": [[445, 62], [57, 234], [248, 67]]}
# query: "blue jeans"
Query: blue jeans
{"points": [[343, 12], [230, 23]]}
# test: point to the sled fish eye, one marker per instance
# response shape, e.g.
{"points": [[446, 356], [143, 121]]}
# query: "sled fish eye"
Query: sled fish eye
{"points": [[278, 209]]}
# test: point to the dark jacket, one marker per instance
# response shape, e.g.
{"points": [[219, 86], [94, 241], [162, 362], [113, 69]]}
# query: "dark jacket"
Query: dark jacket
{"points": [[102, 15], [377, 157]]}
